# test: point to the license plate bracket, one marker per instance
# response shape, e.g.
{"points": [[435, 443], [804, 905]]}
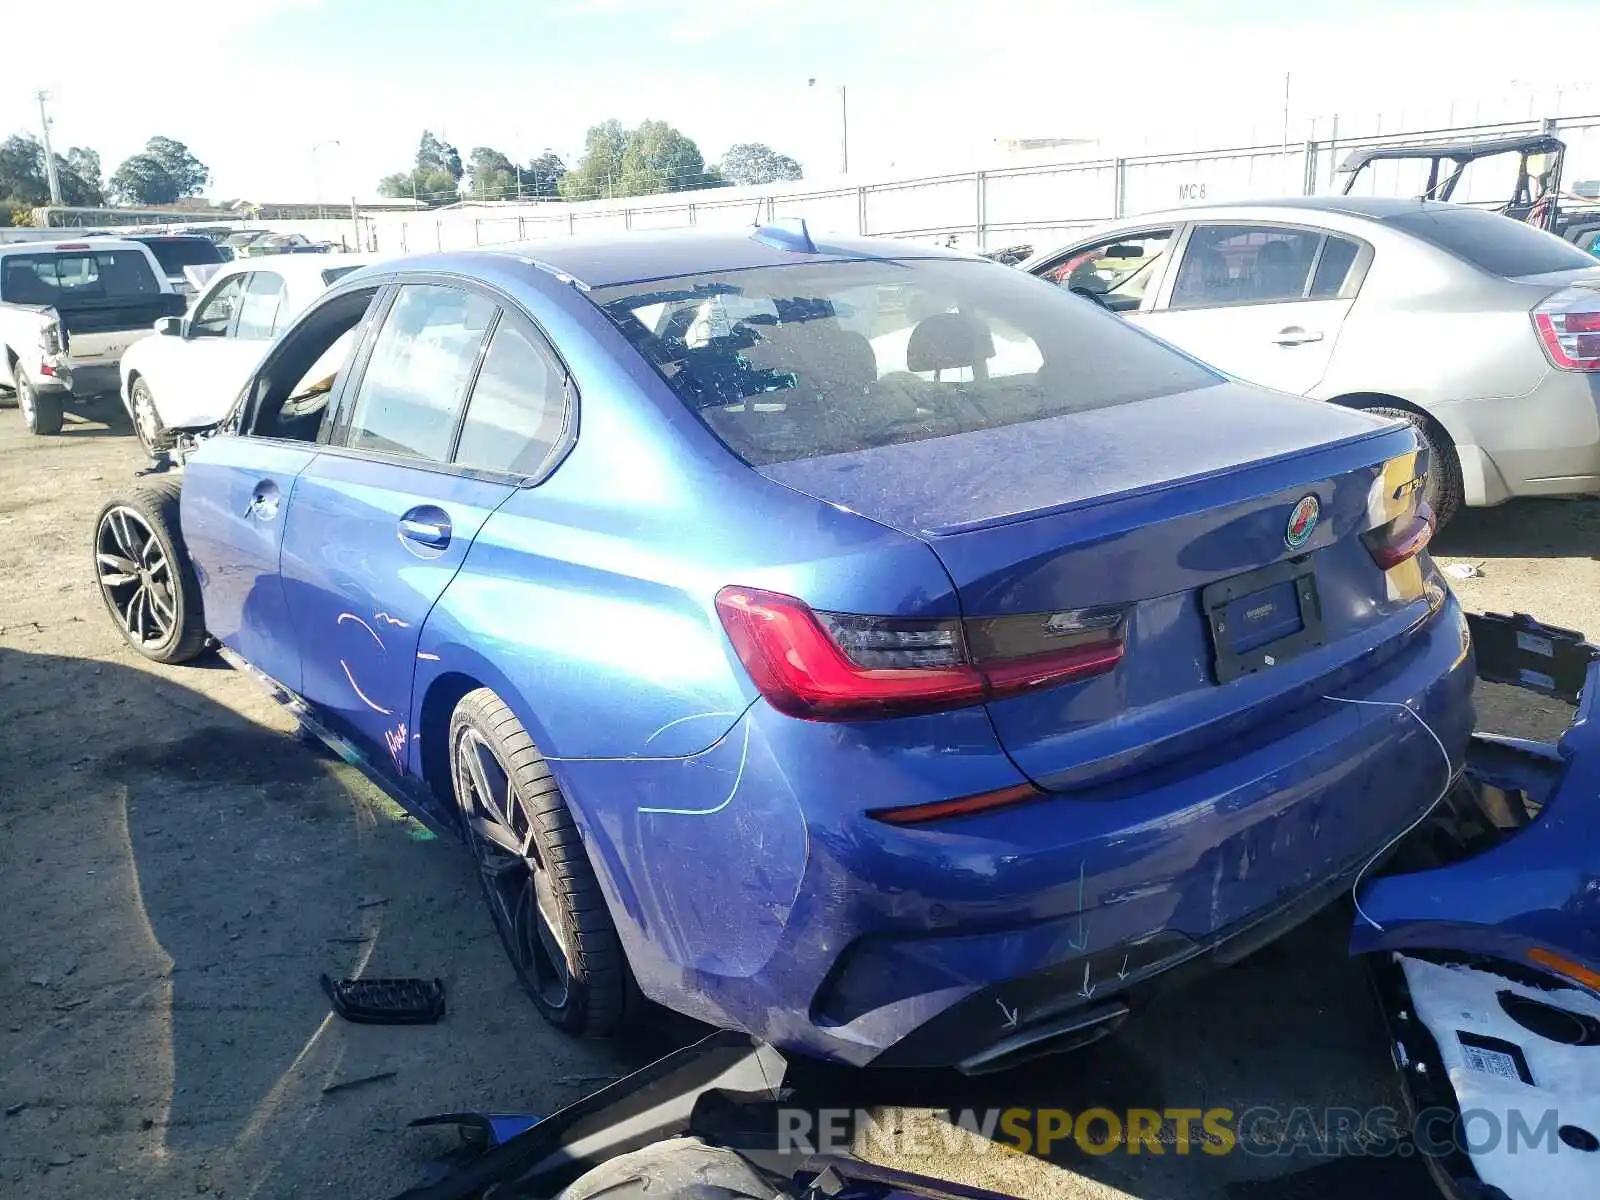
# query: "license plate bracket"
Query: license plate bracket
{"points": [[1290, 583]]}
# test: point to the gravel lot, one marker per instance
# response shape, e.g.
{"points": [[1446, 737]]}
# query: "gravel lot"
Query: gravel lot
{"points": [[176, 873]]}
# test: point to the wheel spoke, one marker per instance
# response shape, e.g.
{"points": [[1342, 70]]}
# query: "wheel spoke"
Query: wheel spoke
{"points": [[161, 599], [503, 838], [483, 768]]}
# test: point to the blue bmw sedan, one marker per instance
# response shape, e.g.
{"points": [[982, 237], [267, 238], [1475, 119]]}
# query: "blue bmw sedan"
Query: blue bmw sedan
{"points": [[867, 646]]}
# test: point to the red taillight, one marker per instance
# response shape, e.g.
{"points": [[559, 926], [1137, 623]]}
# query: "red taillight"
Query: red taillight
{"points": [[1568, 324], [1401, 539], [841, 666]]}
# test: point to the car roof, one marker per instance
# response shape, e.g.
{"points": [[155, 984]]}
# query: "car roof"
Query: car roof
{"points": [[609, 259], [76, 243], [1373, 208]]}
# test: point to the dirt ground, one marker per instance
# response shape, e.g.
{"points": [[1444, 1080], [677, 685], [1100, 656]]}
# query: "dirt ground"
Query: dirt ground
{"points": [[177, 872]]}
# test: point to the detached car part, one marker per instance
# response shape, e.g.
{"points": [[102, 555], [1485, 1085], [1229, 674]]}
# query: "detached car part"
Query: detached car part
{"points": [[1488, 964]]}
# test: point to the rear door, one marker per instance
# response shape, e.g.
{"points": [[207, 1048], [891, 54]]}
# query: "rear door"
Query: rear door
{"points": [[1264, 303], [237, 488], [384, 517]]}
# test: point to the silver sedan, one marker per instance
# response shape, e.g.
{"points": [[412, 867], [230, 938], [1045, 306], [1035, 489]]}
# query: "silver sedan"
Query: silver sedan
{"points": [[1481, 331]]}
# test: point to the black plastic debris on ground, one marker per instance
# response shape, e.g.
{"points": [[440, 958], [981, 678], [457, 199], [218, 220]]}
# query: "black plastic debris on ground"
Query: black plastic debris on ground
{"points": [[386, 1001]]}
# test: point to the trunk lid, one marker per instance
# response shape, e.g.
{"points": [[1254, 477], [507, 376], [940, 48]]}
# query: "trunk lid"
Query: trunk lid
{"points": [[1178, 511]]}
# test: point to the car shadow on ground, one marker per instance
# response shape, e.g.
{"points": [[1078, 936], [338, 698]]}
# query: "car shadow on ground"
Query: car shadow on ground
{"points": [[1524, 529], [176, 879]]}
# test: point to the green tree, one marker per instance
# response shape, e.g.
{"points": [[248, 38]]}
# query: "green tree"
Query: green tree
{"points": [[542, 176], [599, 168], [24, 183], [188, 174], [653, 158], [143, 180], [493, 176], [434, 179], [22, 180], [757, 162], [79, 173]]}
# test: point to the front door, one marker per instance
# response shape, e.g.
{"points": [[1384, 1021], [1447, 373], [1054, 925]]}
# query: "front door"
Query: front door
{"points": [[234, 501], [382, 521], [1263, 303]]}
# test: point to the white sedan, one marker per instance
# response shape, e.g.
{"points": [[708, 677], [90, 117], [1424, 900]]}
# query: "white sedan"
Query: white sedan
{"points": [[189, 375]]}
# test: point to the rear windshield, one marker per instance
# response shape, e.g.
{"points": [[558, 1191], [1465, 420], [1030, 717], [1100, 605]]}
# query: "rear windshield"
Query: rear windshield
{"points": [[1498, 244], [784, 363], [333, 274], [176, 254], [76, 279]]}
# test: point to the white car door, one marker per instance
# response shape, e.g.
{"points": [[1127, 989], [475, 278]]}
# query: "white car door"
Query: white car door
{"points": [[232, 327], [1264, 303]]}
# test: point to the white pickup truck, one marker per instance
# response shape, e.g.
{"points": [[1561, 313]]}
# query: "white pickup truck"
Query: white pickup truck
{"points": [[68, 309]]}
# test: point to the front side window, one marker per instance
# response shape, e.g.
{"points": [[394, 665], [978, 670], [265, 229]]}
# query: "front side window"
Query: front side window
{"points": [[417, 376], [793, 362], [258, 314], [1244, 264], [518, 406], [214, 317], [1119, 271]]}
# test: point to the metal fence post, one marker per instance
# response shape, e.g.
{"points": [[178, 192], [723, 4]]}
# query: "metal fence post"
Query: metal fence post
{"points": [[692, 219], [1308, 171], [981, 229], [522, 229], [861, 211], [1119, 186], [572, 223], [438, 233], [477, 231]]}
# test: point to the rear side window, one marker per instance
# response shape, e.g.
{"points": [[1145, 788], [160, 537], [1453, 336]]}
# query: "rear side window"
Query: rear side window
{"points": [[258, 315], [518, 406], [793, 362], [422, 361], [77, 279], [1494, 243], [1338, 256]]}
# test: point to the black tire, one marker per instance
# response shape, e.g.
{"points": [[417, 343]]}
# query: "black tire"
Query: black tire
{"points": [[1442, 489], [168, 625], [581, 984], [677, 1169], [41, 411], [147, 426]]}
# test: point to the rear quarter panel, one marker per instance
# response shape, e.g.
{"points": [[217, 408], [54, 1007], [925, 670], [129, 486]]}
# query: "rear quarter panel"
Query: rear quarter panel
{"points": [[590, 597], [1430, 329]]}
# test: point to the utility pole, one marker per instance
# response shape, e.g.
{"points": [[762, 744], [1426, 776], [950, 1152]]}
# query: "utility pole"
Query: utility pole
{"points": [[49, 155], [844, 132]]}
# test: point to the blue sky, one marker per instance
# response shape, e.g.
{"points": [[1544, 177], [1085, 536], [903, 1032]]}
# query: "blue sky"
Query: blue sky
{"points": [[932, 83]]}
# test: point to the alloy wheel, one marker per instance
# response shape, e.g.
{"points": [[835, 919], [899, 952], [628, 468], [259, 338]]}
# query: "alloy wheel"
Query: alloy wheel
{"points": [[145, 422], [135, 576], [521, 889], [25, 400]]}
